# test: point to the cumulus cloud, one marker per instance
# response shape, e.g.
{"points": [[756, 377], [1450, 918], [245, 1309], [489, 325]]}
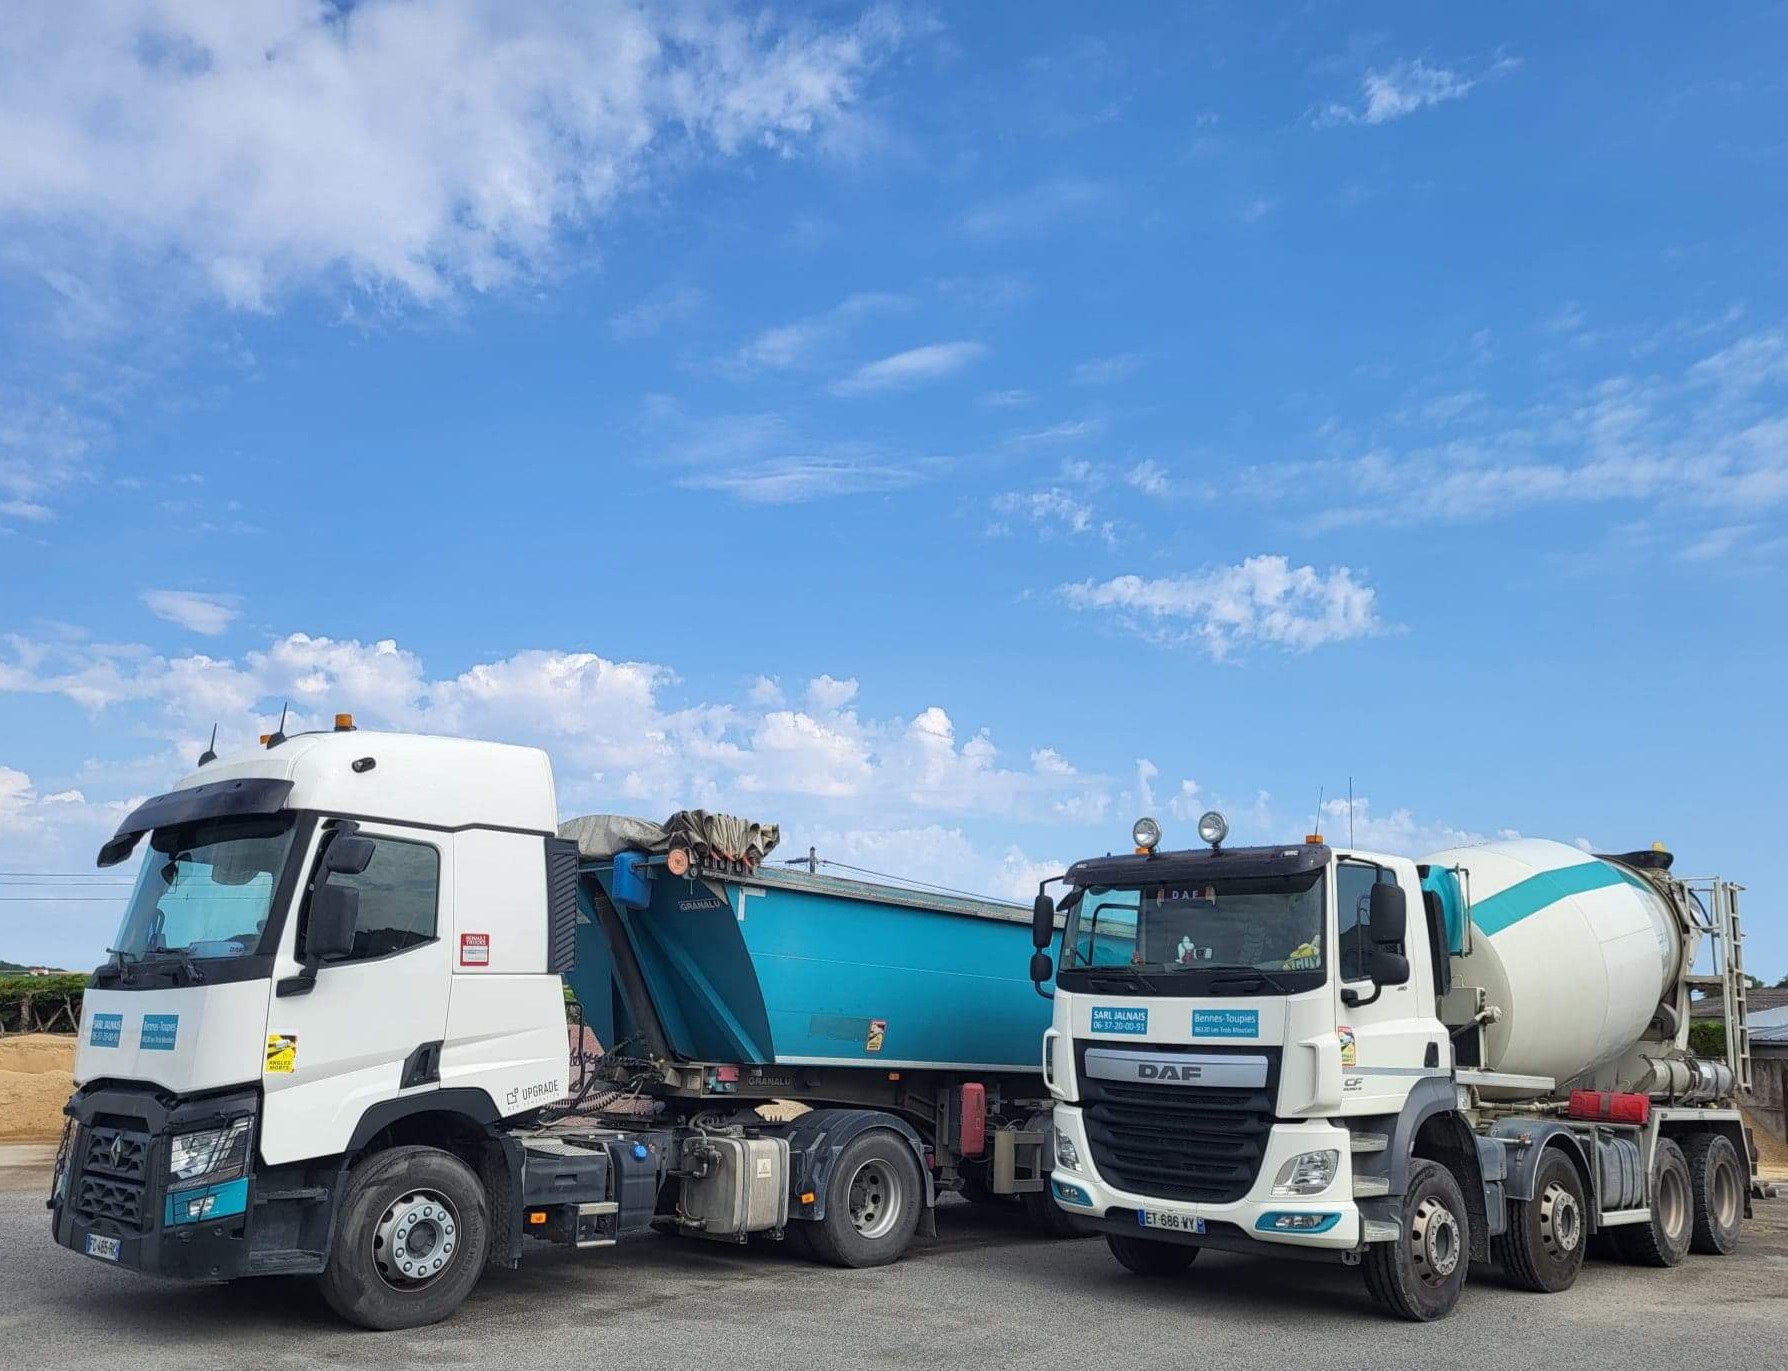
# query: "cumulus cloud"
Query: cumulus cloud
{"points": [[411, 148], [1399, 832], [1053, 511], [195, 610], [914, 367], [1261, 600]]}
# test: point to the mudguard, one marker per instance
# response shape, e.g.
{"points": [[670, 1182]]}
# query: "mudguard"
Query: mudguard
{"points": [[815, 1141]]}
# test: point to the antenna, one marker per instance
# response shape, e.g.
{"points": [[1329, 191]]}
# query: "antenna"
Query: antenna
{"points": [[209, 755], [279, 734], [1350, 811], [1316, 823]]}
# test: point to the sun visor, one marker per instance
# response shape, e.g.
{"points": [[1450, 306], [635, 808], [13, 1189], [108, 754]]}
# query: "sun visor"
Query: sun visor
{"points": [[219, 799]]}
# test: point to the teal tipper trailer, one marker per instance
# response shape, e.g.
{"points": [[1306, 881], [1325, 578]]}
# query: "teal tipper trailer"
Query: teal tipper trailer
{"points": [[792, 969]]}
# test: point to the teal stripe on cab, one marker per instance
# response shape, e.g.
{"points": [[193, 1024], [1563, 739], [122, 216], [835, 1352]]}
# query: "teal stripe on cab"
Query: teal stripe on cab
{"points": [[1511, 906]]}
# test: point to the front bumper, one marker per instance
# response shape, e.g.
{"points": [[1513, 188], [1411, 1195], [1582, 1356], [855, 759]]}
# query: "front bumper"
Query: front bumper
{"points": [[1083, 1194], [114, 1200]]}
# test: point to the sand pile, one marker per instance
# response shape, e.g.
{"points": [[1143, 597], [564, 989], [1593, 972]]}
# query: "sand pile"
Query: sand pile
{"points": [[35, 1083]]}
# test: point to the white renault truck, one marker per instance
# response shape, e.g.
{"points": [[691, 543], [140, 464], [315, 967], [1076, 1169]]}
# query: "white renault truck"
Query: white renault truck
{"points": [[333, 1022], [1402, 1065]]}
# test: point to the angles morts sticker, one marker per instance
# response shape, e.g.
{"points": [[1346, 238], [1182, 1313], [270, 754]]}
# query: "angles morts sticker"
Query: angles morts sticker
{"points": [[878, 1034], [282, 1054]]}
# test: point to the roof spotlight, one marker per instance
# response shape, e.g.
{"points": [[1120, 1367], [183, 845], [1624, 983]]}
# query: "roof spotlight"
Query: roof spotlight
{"points": [[1213, 828], [1146, 833]]}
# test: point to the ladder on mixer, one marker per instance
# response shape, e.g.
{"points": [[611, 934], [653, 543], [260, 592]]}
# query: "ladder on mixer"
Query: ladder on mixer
{"points": [[1719, 899]]}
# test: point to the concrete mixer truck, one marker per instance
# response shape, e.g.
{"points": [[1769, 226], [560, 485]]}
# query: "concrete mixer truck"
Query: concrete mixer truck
{"points": [[1400, 1065]]}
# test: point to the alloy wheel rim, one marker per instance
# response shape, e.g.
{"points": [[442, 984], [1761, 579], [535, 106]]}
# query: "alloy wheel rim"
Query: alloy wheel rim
{"points": [[415, 1240]]}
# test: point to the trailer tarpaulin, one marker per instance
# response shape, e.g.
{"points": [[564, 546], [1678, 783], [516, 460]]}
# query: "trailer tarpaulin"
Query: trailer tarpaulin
{"points": [[601, 836]]}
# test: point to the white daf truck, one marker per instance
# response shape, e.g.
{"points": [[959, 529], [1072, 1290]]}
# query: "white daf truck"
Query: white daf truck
{"points": [[1406, 1066]]}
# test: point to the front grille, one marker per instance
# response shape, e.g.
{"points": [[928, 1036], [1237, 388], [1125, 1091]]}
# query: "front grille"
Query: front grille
{"points": [[113, 1174], [1175, 1142], [97, 1199], [118, 1152]]}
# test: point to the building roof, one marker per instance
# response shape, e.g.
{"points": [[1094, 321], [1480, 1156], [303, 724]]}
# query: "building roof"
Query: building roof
{"points": [[1756, 1001]]}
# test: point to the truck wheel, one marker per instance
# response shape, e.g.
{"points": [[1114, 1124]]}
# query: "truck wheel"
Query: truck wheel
{"points": [[1149, 1258], [1717, 1184], [873, 1201], [410, 1239], [1547, 1236], [1047, 1217], [1421, 1274], [1665, 1239]]}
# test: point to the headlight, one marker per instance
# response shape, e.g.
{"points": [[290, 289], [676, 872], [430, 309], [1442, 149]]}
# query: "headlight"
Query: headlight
{"points": [[1213, 828], [217, 1154], [1308, 1173], [1067, 1156], [1146, 833]]}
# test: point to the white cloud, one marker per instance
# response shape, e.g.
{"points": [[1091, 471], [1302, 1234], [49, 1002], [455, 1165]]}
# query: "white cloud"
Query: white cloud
{"points": [[1262, 600], [409, 148], [915, 366], [804, 342], [1007, 399], [1187, 801], [1065, 432], [1711, 437], [765, 691], [1057, 511], [616, 737], [800, 478], [657, 312], [1103, 371], [1404, 87], [194, 610], [1149, 477], [44, 449], [1400, 832]]}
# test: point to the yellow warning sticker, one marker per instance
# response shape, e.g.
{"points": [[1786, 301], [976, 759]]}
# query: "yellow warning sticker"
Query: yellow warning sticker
{"points": [[878, 1031], [282, 1053], [1349, 1053]]}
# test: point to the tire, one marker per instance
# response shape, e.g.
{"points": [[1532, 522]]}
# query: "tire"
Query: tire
{"points": [[1664, 1240], [1047, 1217], [1547, 1237], [407, 1205], [873, 1200], [1147, 1257], [1421, 1275], [1717, 1186]]}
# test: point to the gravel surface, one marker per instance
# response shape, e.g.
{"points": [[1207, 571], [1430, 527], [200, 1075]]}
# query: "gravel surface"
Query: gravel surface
{"points": [[985, 1292]]}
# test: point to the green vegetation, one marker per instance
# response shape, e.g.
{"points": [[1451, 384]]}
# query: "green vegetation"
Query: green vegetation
{"points": [[1707, 1038], [40, 1004]]}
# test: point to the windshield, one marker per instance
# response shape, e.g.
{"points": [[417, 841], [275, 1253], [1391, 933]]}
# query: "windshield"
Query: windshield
{"points": [[206, 889], [1267, 924]]}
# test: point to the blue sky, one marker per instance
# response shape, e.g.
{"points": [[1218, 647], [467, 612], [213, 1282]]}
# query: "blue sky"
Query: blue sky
{"points": [[947, 431]]}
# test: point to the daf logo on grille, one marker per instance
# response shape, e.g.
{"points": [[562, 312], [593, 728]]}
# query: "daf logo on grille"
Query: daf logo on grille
{"points": [[1167, 1071]]}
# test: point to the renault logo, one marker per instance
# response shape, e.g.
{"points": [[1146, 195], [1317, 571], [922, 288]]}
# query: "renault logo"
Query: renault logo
{"points": [[116, 1156]]}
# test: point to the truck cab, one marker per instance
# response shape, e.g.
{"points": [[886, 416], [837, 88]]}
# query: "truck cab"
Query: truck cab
{"points": [[338, 943], [1262, 1049]]}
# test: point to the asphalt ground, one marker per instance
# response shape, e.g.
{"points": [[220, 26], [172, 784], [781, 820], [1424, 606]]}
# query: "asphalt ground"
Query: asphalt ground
{"points": [[984, 1292]]}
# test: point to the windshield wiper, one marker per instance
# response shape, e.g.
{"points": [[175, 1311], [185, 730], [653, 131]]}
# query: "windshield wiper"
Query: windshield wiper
{"points": [[1128, 973], [183, 958], [1235, 975]]}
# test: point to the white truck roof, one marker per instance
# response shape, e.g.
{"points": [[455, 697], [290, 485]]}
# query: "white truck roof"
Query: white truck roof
{"points": [[414, 778]]}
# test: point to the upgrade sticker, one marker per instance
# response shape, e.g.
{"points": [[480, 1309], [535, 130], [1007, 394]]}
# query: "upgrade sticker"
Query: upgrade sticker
{"points": [[282, 1054]]}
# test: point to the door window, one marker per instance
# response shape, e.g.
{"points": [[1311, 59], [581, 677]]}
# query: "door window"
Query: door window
{"points": [[1353, 916], [399, 898]]}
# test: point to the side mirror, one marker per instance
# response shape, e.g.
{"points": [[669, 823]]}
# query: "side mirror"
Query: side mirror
{"points": [[1388, 918], [347, 855], [1041, 967], [1388, 968], [1042, 924], [334, 912]]}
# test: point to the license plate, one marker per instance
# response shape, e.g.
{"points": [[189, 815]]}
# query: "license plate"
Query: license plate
{"points": [[1173, 1223], [106, 1249]]}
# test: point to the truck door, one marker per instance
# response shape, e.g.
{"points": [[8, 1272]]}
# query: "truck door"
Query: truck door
{"points": [[370, 1027], [1390, 1036]]}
